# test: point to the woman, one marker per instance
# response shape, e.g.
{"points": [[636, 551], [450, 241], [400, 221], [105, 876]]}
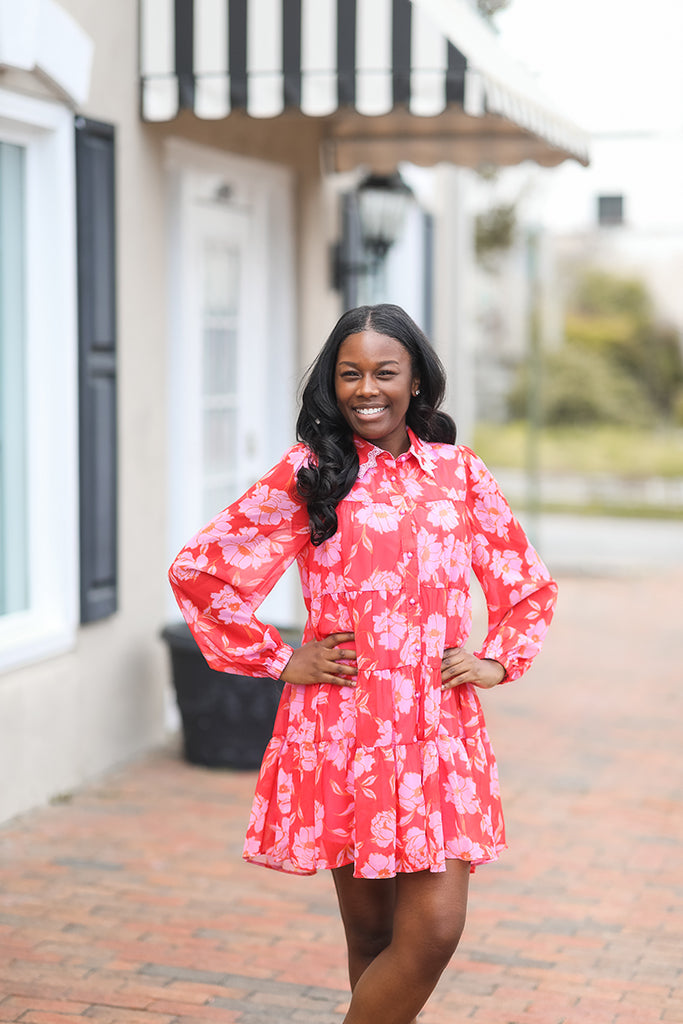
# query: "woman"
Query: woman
{"points": [[379, 767]]}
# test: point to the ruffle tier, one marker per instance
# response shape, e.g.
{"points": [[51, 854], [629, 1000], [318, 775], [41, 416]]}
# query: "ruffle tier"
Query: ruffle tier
{"points": [[399, 803]]}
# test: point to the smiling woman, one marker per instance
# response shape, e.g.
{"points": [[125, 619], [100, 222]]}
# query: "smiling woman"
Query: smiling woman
{"points": [[380, 767], [374, 383]]}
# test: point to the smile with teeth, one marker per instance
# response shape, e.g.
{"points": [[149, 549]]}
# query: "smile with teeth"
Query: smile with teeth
{"points": [[372, 411]]}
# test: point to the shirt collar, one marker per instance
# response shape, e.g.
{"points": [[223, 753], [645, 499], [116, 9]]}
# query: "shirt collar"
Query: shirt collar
{"points": [[368, 454]]}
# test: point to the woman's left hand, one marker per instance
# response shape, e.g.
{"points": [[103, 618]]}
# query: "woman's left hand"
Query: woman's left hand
{"points": [[459, 666]]}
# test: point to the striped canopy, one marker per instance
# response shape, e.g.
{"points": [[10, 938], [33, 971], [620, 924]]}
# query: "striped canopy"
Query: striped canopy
{"points": [[428, 73]]}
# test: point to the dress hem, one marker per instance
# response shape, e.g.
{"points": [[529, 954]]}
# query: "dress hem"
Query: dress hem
{"points": [[289, 868]]}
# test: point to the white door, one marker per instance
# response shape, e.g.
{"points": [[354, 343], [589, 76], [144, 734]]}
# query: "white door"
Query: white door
{"points": [[230, 396], [232, 366]]}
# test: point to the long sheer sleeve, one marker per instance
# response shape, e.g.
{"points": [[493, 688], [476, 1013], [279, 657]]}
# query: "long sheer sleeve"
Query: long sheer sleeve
{"points": [[221, 577], [520, 593]]}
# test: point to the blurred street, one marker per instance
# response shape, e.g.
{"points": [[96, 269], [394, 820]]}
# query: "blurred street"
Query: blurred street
{"points": [[127, 902], [610, 546]]}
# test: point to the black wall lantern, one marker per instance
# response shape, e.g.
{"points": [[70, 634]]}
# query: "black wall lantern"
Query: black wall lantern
{"points": [[379, 205]]}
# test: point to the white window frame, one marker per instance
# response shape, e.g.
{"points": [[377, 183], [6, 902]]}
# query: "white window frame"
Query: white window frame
{"points": [[49, 625]]}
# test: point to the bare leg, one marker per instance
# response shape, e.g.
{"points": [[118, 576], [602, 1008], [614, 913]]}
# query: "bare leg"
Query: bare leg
{"points": [[397, 956], [367, 912]]}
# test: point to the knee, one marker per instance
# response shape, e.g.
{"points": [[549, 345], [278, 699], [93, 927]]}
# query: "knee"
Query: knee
{"points": [[431, 950], [367, 939]]}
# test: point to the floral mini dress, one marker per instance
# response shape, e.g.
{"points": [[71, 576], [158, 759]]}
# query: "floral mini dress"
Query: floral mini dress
{"points": [[392, 774]]}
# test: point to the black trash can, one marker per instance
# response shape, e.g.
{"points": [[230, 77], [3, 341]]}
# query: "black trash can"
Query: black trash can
{"points": [[227, 719]]}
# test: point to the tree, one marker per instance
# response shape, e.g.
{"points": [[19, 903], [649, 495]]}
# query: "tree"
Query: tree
{"points": [[619, 364]]}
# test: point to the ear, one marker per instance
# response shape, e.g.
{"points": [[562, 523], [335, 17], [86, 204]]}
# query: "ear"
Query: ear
{"points": [[415, 387]]}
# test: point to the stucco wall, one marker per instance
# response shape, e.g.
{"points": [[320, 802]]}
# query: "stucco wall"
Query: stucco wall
{"points": [[69, 718]]}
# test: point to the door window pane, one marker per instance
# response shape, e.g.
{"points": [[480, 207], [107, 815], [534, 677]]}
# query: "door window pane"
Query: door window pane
{"points": [[220, 398], [13, 492]]}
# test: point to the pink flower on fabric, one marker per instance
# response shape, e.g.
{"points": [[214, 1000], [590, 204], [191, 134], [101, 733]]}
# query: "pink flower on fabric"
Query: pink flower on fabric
{"points": [[267, 505], [363, 762], [328, 553], [530, 643], [494, 649], [506, 565], [319, 819], [190, 613], [410, 651], [246, 548], [483, 481], [410, 796], [466, 849], [381, 518], [457, 608], [344, 728], [258, 812], [536, 567], [337, 754], [443, 514], [229, 605], [429, 554], [481, 549], [384, 579], [415, 846], [303, 846], [413, 487], [383, 828], [187, 566], [493, 514], [403, 693], [308, 757], [284, 792], [466, 791], [434, 634], [380, 865], [389, 627], [460, 558], [385, 732]]}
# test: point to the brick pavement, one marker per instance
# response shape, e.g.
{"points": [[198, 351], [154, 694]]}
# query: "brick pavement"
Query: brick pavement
{"points": [[128, 903]]}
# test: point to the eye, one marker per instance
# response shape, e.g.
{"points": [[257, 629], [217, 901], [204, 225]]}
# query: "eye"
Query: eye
{"points": [[386, 373]]}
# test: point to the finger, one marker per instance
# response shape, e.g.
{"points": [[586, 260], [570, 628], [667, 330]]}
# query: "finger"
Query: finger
{"points": [[337, 680], [344, 670], [453, 684], [341, 655], [455, 666], [336, 638]]}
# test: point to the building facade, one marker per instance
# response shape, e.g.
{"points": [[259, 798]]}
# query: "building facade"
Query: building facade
{"points": [[167, 209]]}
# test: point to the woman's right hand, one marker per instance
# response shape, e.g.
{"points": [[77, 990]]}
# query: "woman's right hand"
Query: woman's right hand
{"points": [[320, 661]]}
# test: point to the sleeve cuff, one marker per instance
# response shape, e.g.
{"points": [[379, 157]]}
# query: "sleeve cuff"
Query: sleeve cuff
{"points": [[279, 660]]}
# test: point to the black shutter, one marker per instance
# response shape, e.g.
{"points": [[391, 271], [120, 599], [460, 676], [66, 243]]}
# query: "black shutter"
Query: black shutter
{"points": [[96, 222]]}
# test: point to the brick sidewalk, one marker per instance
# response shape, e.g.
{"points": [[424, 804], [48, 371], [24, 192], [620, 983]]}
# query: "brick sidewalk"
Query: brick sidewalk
{"points": [[129, 904]]}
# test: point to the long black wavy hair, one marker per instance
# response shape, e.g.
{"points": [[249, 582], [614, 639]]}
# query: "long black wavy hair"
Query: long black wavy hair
{"points": [[331, 474]]}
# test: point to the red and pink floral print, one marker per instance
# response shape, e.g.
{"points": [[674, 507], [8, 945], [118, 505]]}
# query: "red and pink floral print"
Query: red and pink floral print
{"points": [[393, 774]]}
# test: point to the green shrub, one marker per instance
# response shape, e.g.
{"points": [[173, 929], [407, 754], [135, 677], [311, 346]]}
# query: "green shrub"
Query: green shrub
{"points": [[579, 387], [618, 364]]}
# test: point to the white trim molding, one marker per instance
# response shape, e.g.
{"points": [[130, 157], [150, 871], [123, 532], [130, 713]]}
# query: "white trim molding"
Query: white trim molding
{"points": [[38, 35], [46, 131]]}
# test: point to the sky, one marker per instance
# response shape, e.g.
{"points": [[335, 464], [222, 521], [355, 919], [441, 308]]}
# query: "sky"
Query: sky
{"points": [[612, 65]]}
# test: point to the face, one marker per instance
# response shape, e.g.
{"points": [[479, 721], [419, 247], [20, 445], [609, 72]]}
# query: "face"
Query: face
{"points": [[374, 382]]}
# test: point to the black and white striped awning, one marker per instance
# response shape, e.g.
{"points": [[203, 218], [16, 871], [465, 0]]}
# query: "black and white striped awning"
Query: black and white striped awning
{"points": [[425, 72]]}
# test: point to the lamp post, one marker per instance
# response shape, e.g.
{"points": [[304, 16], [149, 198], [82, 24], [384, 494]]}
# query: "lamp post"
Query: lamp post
{"points": [[381, 203]]}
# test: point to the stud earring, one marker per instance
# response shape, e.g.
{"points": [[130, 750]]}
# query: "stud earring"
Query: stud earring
{"points": [[416, 392]]}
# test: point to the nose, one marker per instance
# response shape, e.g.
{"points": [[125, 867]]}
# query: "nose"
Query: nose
{"points": [[367, 385]]}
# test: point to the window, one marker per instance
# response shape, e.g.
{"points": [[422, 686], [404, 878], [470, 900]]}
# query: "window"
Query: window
{"points": [[610, 211], [38, 435], [13, 498]]}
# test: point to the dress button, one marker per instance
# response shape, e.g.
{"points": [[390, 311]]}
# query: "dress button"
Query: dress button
{"points": [[412, 601]]}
